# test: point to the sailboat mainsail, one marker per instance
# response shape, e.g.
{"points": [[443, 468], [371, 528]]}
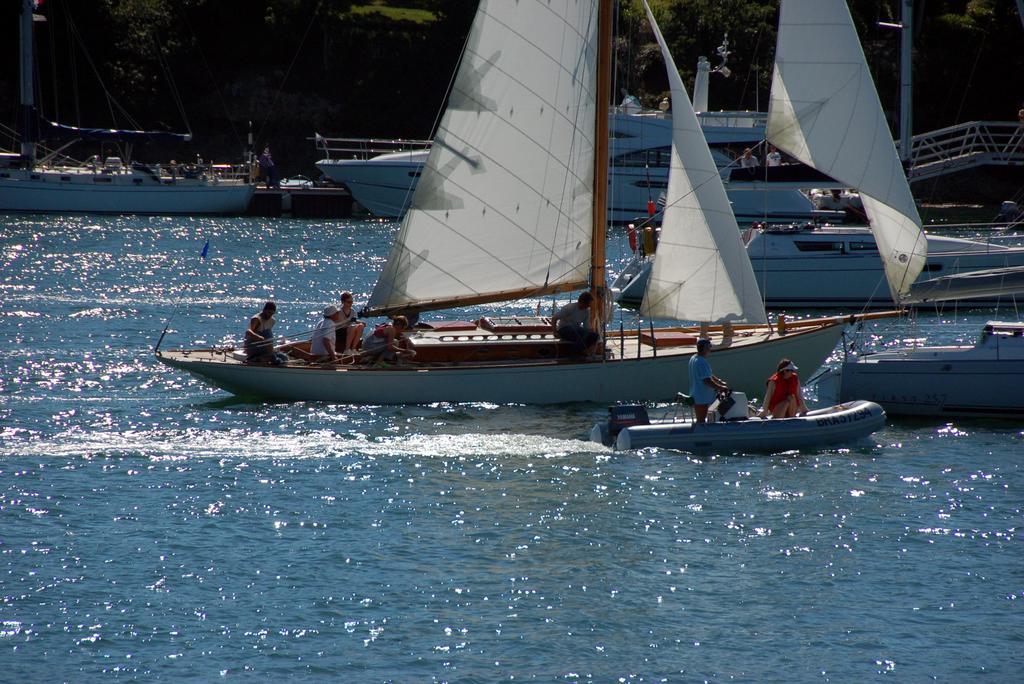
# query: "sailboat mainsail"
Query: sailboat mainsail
{"points": [[503, 208], [702, 271], [825, 112]]}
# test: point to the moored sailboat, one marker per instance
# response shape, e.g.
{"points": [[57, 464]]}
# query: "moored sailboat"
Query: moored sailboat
{"points": [[511, 204], [114, 185]]}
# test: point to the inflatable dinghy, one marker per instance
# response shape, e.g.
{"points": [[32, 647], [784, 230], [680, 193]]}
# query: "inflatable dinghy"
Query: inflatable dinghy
{"points": [[629, 427]]}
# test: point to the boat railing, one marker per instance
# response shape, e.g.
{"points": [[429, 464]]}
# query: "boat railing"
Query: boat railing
{"points": [[965, 145], [365, 148]]}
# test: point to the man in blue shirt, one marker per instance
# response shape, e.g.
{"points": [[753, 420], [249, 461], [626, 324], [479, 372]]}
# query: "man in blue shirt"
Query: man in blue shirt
{"points": [[704, 385]]}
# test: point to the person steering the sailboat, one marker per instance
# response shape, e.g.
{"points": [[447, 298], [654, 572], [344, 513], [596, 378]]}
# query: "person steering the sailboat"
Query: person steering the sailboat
{"points": [[705, 386], [572, 324]]}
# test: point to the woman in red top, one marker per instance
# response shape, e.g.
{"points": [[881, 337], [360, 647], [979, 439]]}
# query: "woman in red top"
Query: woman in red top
{"points": [[783, 398]]}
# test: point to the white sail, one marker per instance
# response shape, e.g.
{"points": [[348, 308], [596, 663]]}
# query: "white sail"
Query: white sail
{"points": [[503, 205], [825, 112], [701, 271]]}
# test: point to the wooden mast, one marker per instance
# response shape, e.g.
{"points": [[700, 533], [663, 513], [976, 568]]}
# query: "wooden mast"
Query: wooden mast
{"points": [[600, 208]]}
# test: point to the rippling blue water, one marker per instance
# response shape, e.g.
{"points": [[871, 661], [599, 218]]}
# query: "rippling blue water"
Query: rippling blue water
{"points": [[154, 528]]}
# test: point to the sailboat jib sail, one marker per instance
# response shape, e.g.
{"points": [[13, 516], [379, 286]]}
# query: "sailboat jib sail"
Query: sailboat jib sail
{"points": [[702, 271], [503, 205], [825, 112]]}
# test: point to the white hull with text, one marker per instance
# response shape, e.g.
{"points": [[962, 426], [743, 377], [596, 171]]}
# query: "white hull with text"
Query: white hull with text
{"points": [[838, 425]]}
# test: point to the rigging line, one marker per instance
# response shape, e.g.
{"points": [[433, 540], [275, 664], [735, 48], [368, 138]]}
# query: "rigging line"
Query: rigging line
{"points": [[111, 100], [177, 306], [53, 70], [161, 59], [291, 65], [216, 83]]}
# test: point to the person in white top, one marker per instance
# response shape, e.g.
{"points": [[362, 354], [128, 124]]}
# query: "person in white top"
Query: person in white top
{"points": [[773, 158], [349, 326], [322, 346]]}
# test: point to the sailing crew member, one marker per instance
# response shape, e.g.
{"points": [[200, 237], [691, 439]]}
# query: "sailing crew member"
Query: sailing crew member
{"points": [[783, 398], [259, 338], [387, 342], [350, 329], [704, 385], [572, 324], [322, 346]]}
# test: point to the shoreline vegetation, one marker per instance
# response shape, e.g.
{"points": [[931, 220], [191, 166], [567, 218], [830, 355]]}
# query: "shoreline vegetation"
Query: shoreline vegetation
{"points": [[381, 68]]}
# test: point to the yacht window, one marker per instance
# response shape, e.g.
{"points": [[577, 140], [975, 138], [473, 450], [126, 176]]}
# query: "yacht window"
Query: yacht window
{"points": [[650, 184], [653, 157], [816, 246], [101, 179], [931, 268], [863, 247]]}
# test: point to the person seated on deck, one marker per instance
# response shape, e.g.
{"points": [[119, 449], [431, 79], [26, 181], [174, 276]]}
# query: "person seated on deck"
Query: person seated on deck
{"points": [[322, 345], [572, 324], [783, 398], [259, 338], [350, 328], [387, 342], [749, 160]]}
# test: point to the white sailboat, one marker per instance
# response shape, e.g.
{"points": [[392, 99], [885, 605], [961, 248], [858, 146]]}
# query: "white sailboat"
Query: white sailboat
{"points": [[110, 186], [824, 110], [511, 204]]}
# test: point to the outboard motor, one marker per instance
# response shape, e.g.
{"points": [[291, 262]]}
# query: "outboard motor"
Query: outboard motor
{"points": [[619, 417]]}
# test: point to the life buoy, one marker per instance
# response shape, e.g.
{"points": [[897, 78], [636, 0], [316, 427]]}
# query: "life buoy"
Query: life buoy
{"points": [[651, 207]]}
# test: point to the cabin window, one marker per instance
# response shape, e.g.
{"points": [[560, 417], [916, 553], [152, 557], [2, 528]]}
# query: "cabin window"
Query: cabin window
{"points": [[65, 178], [414, 174], [932, 268], [137, 181], [101, 179], [863, 247], [655, 157], [35, 176], [650, 184], [817, 246]]}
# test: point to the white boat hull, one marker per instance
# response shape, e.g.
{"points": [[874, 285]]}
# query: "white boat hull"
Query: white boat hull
{"points": [[650, 378], [382, 185], [836, 425], [128, 193], [986, 380]]}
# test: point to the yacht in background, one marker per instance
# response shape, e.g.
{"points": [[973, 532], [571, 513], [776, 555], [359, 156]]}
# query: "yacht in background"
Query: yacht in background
{"points": [[806, 266], [982, 380], [112, 185], [381, 174]]}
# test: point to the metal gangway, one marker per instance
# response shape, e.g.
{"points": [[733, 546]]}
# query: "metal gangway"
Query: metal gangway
{"points": [[963, 146]]}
